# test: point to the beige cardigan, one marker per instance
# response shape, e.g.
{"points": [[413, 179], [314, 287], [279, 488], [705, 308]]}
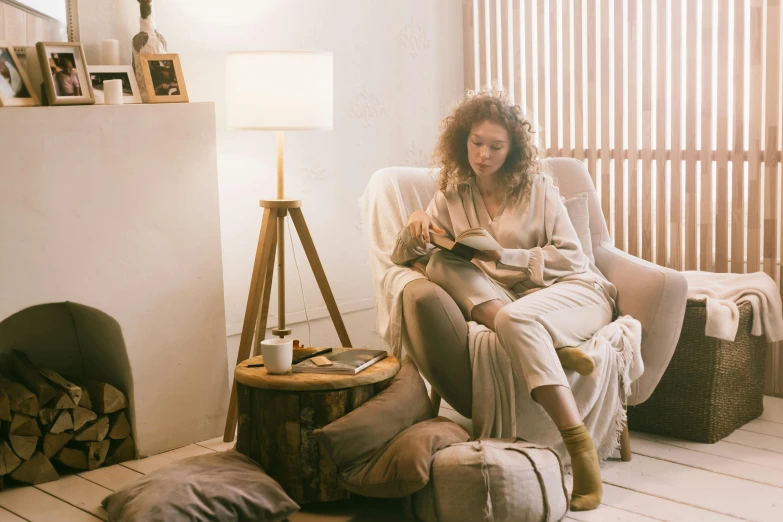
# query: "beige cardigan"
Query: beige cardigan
{"points": [[540, 244]]}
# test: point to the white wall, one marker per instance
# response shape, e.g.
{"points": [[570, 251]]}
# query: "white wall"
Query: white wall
{"points": [[121, 214], [398, 68]]}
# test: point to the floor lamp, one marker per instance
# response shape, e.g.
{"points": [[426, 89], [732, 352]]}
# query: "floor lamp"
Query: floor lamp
{"points": [[278, 91]]}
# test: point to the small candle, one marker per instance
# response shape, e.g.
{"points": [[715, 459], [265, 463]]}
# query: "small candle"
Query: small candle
{"points": [[110, 52], [112, 92]]}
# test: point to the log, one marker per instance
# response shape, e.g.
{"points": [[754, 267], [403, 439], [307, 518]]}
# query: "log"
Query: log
{"points": [[105, 397], [63, 423], [24, 425], [82, 416], [120, 451], [119, 428], [30, 376], [95, 431], [8, 459], [96, 453], [73, 391], [54, 442], [23, 446], [21, 400], [5, 407], [47, 416], [85, 401], [37, 470], [62, 401], [75, 458]]}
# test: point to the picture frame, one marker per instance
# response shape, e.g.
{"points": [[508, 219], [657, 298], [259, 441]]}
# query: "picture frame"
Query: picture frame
{"points": [[64, 71], [163, 78], [100, 73], [15, 87]]}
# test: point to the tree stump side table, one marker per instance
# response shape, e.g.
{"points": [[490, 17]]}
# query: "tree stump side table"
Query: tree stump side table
{"points": [[278, 414]]}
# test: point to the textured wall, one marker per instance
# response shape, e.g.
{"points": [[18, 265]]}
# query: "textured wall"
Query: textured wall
{"points": [[398, 68]]}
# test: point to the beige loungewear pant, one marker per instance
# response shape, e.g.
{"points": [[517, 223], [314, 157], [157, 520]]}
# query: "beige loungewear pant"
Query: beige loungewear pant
{"points": [[532, 327]]}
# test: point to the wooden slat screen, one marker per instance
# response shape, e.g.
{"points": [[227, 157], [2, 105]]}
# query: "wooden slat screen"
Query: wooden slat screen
{"points": [[674, 105]]}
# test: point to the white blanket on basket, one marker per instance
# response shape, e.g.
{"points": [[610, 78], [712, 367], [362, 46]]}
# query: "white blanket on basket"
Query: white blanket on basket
{"points": [[724, 291], [502, 407]]}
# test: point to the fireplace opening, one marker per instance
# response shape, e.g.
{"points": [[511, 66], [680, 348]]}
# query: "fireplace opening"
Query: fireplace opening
{"points": [[54, 426]]}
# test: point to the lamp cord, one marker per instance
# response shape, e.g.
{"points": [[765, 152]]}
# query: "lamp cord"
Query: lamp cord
{"points": [[301, 286]]}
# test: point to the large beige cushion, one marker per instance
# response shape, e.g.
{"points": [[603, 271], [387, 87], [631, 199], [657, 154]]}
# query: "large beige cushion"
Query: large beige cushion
{"points": [[403, 466], [384, 448], [503, 480], [361, 434]]}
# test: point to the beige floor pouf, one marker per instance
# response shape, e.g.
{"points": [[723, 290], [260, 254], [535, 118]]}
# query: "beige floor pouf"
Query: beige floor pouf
{"points": [[499, 480]]}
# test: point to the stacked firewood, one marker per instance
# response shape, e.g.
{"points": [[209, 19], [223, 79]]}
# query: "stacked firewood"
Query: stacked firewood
{"points": [[49, 423]]}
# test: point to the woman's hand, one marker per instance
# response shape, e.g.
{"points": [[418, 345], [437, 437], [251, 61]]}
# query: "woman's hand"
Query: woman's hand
{"points": [[489, 255], [419, 227]]}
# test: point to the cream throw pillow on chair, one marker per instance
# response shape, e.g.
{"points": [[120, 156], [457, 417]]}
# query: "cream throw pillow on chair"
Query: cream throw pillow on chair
{"points": [[579, 214]]}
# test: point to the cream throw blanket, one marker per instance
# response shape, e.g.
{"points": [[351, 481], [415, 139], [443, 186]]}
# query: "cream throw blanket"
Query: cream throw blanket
{"points": [[390, 197], [724, 291], [503, 408]]}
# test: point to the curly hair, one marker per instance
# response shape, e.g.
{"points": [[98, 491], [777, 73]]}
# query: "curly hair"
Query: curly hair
{"points": [[523, 160]]}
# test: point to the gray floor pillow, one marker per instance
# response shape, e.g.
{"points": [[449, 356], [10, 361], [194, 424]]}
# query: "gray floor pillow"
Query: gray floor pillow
{"points": [[224, 486]]}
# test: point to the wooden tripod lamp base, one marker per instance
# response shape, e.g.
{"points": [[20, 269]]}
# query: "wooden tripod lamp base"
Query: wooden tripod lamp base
{"points": [[279, 91], [257, 311]]}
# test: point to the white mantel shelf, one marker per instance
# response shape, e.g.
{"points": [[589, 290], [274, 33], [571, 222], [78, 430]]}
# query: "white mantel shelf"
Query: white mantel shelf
{"points": [[116, 207]]}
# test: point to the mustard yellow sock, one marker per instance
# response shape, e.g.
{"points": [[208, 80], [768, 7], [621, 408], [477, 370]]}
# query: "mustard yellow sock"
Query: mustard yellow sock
{"points": [[587, 490], [576, 359]]}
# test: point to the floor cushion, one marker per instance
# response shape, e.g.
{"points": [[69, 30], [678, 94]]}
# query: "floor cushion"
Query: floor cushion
{"points": [[503, 480], [403, 466], [225, 486], [360, 435]]}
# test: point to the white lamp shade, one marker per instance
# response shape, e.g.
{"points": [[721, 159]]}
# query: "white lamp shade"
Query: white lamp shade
{"points": [[274, 90]]}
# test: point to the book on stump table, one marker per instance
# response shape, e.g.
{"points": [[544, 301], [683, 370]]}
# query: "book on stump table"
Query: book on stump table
{"points": [[350, 361], [466, 244]]}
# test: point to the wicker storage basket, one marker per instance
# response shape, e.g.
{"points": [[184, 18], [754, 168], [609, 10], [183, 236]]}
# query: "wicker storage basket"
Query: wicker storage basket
{"points": [[711, 387]]}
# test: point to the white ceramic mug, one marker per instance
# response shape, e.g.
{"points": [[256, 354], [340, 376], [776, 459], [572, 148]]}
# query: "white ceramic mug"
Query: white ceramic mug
{"points": [[277, 354]]}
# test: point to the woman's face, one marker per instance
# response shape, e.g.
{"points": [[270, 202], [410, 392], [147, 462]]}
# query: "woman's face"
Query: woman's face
{"points": [[488, 147]]}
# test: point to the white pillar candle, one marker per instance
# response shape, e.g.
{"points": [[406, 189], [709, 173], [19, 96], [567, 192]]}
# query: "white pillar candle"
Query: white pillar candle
{"points": [[110, 52], [112, 92]]}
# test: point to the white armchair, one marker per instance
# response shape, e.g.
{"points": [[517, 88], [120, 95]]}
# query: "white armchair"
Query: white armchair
{"points": [[654, 295]]}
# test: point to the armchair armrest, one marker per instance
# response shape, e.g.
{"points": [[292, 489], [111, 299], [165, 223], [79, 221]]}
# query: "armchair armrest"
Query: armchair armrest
{"points": [[654, 295], [438, 335]]}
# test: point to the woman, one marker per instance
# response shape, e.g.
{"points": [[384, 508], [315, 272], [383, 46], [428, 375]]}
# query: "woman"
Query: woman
{"points": [[540, 294]]}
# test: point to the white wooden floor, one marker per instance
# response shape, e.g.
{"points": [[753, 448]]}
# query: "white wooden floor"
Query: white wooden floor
{"points": [[739, 478]]}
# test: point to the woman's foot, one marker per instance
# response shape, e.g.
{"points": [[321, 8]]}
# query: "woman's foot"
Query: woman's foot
{"points": [[576, 359], [587, 491]]}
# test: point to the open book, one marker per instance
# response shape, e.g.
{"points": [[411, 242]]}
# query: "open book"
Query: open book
{"points": [[467, 243]]}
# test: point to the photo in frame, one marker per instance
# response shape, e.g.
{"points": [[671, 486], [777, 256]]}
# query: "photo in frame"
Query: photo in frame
{"points": [[101, 73], [65, 77], [15, 88], [163, 78]]}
